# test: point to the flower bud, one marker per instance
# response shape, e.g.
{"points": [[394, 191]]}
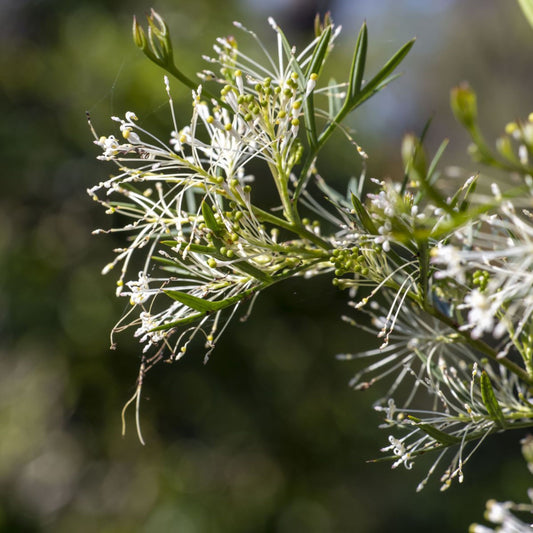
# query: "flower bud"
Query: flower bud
{"points": [[139, 38], [464, 105]]}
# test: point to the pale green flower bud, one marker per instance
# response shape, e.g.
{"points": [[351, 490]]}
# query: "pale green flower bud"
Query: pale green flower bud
{"points": [[464, 105]]}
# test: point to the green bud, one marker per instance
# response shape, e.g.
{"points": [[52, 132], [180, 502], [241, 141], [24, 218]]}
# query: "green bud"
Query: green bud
{"points": [[464, 105], [321, 25], [139, 38], [158, 25]]}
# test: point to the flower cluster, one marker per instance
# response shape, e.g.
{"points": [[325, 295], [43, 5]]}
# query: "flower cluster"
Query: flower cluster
{"points": [[187, 201], [443, 278]]}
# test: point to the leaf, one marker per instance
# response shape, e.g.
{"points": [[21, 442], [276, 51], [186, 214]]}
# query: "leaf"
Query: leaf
{"points": [[436, 434], [363, 215], [314, 67], [198, 304], [527, 8], [432, 176], [209, 219], [358, 64], [319, 53], [381, 79], [490, 402], [202, 306], [181, 322]]}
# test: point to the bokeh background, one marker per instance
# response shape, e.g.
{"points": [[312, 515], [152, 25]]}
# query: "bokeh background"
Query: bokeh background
{"points": [[267, 437]]}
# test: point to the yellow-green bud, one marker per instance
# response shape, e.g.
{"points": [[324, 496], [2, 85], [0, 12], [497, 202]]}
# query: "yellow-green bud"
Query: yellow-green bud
{"points": [[139, 38], [464, 105]]}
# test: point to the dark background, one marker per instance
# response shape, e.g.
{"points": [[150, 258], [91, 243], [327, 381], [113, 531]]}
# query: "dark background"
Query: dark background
{"points": [[267, 437]]}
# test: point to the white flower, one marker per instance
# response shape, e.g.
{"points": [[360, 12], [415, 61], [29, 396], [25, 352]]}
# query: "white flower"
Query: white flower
{"points": [[500, 514], [147, 336], [450, 256], [481, 316], [399, 450], [139, 290]]}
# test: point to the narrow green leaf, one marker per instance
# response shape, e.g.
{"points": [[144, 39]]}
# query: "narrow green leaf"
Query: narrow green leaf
{"points": [[165, 261], [432, 175], [319, 53], [527, 8], [170, 243], [490, 402], [177, 266], [198, 304], [358, 64], [180, 322], [209, 218], [314, 67], [380, 80], [201, 249], [363, 215], [390, 66], [440, 436], [202, 306]]}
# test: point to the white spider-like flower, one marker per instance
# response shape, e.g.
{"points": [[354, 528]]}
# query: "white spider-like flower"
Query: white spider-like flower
{"points": [[449, 256], [500, 514], [482, 309]]}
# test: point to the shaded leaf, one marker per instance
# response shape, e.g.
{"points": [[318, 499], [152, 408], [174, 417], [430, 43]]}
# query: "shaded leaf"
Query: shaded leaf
{"points": [[490, 402], [198, 304], [358, 64], [209, 219], [363, 215], [436, 434]]}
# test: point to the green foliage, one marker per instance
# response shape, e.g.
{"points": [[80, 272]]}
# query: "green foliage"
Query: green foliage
{"points": [[436, 258], [268, 428]]}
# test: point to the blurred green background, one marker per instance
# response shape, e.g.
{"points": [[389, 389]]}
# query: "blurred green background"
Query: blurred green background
{"points": [[267, 437]]}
